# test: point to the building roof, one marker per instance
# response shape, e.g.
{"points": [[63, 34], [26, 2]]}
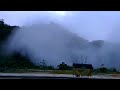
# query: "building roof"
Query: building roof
{"points": [[87, 66]]}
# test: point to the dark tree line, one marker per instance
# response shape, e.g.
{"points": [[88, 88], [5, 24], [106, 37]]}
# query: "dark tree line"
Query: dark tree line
{"points": [[16, 60], [6, 30], [64, 66]]}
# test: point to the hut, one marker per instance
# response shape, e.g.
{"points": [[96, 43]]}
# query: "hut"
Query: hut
{"points": [[82, 69]]}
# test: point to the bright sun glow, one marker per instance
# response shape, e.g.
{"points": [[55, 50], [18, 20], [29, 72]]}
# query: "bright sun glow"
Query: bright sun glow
{"points": [[60, 13]]}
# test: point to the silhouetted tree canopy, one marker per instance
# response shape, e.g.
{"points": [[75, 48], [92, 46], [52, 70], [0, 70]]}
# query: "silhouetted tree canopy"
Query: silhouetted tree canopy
{"points": [[17, 60], [5, 30], [63, 66]]}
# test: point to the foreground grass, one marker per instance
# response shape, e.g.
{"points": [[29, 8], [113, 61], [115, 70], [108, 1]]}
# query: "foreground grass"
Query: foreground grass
{"points": [[39, 71], [50, 71], [25, 71], [62, 72]]}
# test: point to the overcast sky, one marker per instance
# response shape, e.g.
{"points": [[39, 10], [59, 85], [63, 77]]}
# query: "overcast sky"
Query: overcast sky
{"points": [[91, 25]]}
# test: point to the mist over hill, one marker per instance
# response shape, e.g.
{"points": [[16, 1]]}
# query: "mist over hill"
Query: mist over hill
{"points": [[55, 43]]}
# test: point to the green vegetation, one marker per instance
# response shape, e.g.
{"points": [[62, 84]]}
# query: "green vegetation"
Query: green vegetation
{"points": [[64, 66], [106, 71], [6, 30], [62, 71]]}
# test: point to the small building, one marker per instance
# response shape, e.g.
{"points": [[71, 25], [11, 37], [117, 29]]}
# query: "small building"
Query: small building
{"points": [[82, 69], [85, 66]]}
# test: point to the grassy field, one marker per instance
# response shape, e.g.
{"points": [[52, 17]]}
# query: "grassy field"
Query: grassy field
{"points": [[62, 72], [27, 71], [39, 71], [51, 71]]}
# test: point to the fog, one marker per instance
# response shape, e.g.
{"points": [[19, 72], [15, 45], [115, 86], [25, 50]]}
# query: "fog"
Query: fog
{"points": [[48, 41], [68, 41]]}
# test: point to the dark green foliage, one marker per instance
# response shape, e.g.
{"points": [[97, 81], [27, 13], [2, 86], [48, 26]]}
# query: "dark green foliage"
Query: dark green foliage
{"points": [[105, 70], [5, 31], [50, 68], [17, 61], [42, 67], [114, 70], [63, 66]]}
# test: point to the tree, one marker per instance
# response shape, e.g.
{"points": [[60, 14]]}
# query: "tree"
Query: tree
{"points": [[63, 66], [5, 30], [17, 60], [114, 70]]}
